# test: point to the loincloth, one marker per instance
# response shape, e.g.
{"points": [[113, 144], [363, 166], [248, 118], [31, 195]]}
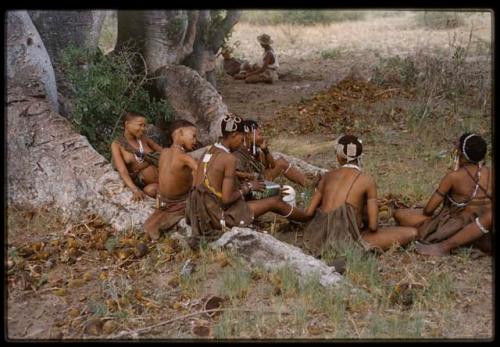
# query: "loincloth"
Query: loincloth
{"points": [[329, 229], [449, 220], [204, 212], [166, 215]]}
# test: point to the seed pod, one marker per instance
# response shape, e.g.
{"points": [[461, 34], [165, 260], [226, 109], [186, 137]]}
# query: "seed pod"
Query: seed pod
{"points": [[71, 243], [75, 283], [60, 292], [93, 327], [140, 250], [87, 276], [123, 253], [37, 246], [109, 326], [73, 312]]}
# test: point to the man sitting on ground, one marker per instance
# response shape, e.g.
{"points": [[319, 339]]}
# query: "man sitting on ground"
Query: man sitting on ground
{"points": [[129, 154], [255, 160], [268, 71], [466, 196], [338, 207], [176, 179], [217, 202]]}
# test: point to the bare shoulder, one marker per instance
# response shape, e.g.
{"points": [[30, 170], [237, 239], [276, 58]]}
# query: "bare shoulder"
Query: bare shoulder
{"points": [[115, 145], [367, 179]]}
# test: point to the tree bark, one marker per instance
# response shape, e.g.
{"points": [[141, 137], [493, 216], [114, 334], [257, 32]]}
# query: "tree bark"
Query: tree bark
{"points": [[50, 165], [61, 29], [210, 37], [28, 63], [265, 250], [162, 37], [192, 98]]}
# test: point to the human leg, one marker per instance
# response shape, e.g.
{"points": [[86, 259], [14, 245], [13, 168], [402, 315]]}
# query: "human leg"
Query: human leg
{"points": [[283, 166], [386, 237], [151, 189], [277, 205], [471, 232], [409, 217]]}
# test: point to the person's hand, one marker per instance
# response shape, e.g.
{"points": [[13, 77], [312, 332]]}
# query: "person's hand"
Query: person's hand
{"points": [[263, 146], [257, 186], [284, 191], [138, 195]]}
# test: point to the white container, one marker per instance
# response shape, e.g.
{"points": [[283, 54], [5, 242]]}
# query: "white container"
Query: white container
{"points": [[289, 198]]}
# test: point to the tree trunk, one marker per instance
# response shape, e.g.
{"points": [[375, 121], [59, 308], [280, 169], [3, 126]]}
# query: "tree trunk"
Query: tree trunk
{"points": [[163, 37], [28, 63], [211, 32], [192, 98], [61, 29], [265, 250], [50, 165]]}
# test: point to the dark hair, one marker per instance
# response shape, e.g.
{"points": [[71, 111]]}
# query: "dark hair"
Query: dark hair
{"points": [[239, 124], [177, 124], [347, 139], [249, 125], [129, 115], [475, 147]]}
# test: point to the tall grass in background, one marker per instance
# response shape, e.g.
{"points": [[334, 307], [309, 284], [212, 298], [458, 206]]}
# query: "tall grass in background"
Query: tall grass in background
{"points": [[300, 17]]}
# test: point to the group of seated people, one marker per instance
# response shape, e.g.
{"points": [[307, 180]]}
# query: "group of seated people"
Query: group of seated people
{"points": [[266, 72], [221, 190]]}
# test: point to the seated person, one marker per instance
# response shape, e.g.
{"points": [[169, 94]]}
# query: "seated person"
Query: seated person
{"points": [[216, 202], [338, 207], [268, 71], [232, 66], [176, 179], [129, 157], [255, 161], [466, 196]]}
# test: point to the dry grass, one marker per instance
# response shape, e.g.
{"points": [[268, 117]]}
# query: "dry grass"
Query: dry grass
{"points": [[399, 34]]}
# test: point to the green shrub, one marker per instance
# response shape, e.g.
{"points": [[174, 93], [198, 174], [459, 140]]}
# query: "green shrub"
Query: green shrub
{"points": [[439, 20], [395, 70], [103, 87], [332, 53]]}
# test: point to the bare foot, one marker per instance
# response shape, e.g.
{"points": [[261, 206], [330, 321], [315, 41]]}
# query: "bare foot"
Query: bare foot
{"points": [[430, 249]]}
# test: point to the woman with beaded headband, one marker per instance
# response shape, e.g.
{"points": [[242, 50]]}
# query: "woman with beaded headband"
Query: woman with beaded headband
{"points": [[129, 154], [217, 201], [255, 160], [465, 195], [344, 207]]}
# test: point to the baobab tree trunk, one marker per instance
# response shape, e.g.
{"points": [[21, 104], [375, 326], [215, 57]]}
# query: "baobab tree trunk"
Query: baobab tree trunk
{"points": [[167, 38], [212, 28], [61, 29], [163, 37], [28, 63]]}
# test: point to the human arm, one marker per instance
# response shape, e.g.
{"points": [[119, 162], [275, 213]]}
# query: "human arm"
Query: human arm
{"points": [[122, 170], [156, 147], [438, 195], [316, 198], [230, 193], [371, 205], [268, 157]]}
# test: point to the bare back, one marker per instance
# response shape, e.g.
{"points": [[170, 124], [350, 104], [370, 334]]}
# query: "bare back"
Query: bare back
{"points": [[215, 168], [176, 177], [462, 184], [343, 185]]}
